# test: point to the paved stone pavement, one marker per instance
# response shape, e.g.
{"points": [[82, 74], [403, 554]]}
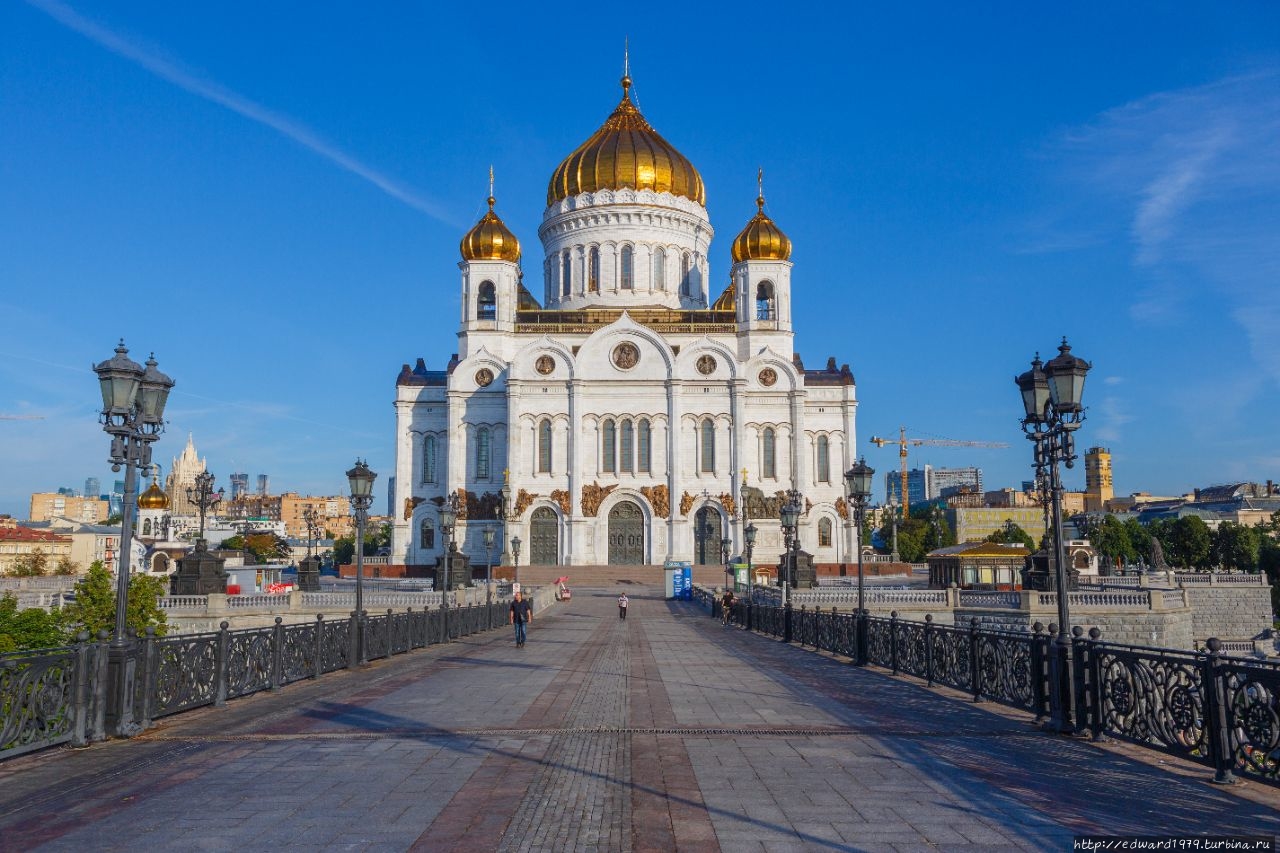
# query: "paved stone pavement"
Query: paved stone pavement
{"points": [[663, 732]]}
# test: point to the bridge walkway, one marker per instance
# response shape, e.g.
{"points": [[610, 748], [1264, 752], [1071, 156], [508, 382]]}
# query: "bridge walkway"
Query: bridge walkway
{"points": [[663, 732]]}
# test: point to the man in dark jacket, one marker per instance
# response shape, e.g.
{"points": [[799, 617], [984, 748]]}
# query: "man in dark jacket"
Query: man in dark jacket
{"points": [[521, 615]]}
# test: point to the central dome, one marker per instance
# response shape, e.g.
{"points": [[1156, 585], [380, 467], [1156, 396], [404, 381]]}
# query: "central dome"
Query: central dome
{"points": [[626, 153]]}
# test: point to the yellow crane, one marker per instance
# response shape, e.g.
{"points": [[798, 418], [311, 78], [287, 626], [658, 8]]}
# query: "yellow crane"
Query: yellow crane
{"points": [[902, 441]]}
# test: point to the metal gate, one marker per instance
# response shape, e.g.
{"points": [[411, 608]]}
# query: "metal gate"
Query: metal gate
{"points": [[544, 533], [707, 533], [626, 535]]}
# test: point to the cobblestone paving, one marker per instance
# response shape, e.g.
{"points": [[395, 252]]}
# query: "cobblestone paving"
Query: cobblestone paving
{"points": [[663, 732]]}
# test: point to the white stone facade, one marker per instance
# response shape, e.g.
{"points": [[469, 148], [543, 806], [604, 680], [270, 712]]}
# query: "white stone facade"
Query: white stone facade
{"points": [[627, 403]]}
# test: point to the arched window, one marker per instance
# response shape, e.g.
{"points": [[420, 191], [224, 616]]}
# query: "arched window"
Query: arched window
{"points": [[642, 447], [566, 273], [608, 447], [766, 305], [769, 452], [593, 270], [626, 283], [660, 269], [146, 527], [824, 533], [824, 460], [628, 447], [685, 280], [482, 453], [544, 447], [429, 459], [708, 446], [486, 302], [427, 534]]}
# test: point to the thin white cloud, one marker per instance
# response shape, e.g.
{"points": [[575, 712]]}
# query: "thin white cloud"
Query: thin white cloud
{"points": [[218, 94]]}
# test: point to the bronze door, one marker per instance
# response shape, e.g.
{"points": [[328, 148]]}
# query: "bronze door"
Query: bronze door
{"points": [[626, 535], [544, 533], [706, 537]]}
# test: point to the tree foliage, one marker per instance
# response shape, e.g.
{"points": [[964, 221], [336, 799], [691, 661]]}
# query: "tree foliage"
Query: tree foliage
{"points": [[31, 565], [94, 608], [1114, 541], [344, 547], [33, 628], [264, 547], [1236, 547], [1012, 534]]}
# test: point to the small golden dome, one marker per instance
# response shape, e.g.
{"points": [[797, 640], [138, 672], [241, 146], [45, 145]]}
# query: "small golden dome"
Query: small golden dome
{"points": [[490, 240], [626, 152], [761, 240], [154, 497]]}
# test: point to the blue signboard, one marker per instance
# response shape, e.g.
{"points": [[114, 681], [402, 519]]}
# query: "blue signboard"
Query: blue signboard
{"points": [[686, 574]]}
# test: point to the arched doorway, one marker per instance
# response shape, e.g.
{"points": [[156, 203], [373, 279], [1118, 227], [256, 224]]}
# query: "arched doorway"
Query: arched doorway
{"points": [[707, 533], [626, 535], [544, 536]]}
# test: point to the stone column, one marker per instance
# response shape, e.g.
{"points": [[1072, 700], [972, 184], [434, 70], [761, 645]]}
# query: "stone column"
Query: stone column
{"points": [[573, 453], [674, 460]]}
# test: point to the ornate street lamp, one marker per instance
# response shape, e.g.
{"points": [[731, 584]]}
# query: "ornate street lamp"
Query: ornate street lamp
{"points": [[311, 519], [724, 557], [489, 535], [205, 499], [505, 512], [448, 523], [360, 478], [515, 555], [789, 515], [1053, 410], [858, 481], [133, 400]]}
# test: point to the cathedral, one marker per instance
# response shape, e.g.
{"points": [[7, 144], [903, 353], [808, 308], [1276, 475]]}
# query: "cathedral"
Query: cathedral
{"points": [[631, 412]]}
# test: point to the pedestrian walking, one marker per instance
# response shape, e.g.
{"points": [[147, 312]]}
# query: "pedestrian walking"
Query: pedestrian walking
{"points": [[622, 606], [521, 615]]}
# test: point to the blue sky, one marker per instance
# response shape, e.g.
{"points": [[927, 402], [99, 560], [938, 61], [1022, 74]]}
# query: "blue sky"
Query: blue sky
{"points": [[270, 197]]}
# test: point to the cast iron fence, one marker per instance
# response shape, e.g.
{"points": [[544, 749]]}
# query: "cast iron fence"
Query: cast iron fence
{"points": [[1203, 706], [56, 696]]}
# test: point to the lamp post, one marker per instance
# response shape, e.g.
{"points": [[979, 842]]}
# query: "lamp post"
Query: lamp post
{"points": [[448, 523], [1051, 400], [489, 535], [858, 481], [749, 537], [724, 558], [360, 478], [893, 520], [205, 499], [515, 557], [312, 521], [133, 400], [790, 517]]}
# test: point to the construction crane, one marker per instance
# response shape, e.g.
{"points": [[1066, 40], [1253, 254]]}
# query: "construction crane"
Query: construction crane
{"points": [[902, 441]]}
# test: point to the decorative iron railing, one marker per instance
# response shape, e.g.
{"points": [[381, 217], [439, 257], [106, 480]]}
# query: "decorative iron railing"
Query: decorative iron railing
{"points": [[1203, 706], [56, 696]]}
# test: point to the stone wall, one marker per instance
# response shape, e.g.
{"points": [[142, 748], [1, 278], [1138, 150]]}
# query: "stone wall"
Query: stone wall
{"points": [[1228, 611]]}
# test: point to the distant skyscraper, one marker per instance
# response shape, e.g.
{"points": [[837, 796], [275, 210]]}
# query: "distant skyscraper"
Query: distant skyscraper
{"points": [[92, 487], [916, 486], [239, 485], [182, 476], [264, 485], [952, 480]]}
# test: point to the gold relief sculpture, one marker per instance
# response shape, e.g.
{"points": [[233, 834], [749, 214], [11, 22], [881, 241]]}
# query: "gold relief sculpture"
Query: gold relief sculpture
{"points": [[561, 497], [808, 505], [842, 509], [686, 503], [592, 496], [410, 504], [523, 500], [658, 499], [464, 499], [726, 501]]}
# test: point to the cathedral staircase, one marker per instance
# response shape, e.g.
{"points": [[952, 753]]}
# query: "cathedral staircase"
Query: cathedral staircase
{"points": [[596, 577]]}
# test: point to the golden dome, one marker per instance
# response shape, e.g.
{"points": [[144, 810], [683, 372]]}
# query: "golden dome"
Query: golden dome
{"points": [[626, 152], [490, 240], [154, 497], [761, 240]]}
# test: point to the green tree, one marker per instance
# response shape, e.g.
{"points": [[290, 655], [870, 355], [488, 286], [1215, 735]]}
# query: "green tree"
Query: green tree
{"points": [[1269, 564], [264, 547], [65, 567], [911, 533], [94, 608], [1236, 547], [1139, 538], [938, 533], [32, 628], [1187, 541], [344, 550], [31, 565], [1113, 541], [344, 547], [1012, 534]]}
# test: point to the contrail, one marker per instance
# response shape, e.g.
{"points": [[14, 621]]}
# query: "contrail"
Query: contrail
{"points": [[237, 103]]}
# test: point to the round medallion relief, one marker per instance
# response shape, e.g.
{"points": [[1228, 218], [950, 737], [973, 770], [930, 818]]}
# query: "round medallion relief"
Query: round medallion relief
{"points": [[768, 377], [706, 365], [545, 364], [626, 355], [484, 377]]}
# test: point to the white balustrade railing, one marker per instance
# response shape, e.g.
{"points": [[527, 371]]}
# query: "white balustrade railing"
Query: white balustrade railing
{"points": [[982, 598], [184, 602]]}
